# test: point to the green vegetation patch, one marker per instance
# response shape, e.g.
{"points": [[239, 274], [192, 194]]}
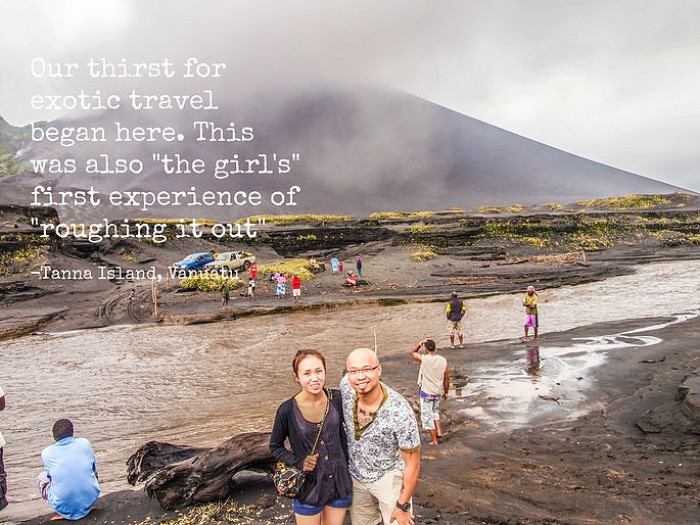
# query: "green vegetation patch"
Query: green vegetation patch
{"points": [[423, 253], [226, 512], [11, 141], [554, 206], [391, 301], [515, 208], [17, 262], [420, 229], [175, 222], [401, 215], [528, 231], [209, 282], [586, 242], [291, 219], [632, 201], [300, 267], [309, 237]]}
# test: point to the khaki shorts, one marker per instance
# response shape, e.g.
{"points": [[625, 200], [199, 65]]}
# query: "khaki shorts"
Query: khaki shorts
{"points": [[455, 327], [376, 501]]}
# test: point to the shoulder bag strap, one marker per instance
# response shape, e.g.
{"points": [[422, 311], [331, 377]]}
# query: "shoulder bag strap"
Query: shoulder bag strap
{"points": [[323, 421]]}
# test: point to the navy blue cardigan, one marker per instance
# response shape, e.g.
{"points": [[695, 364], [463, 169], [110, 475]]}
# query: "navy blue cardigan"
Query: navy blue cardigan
{"points": [[285, 427]]}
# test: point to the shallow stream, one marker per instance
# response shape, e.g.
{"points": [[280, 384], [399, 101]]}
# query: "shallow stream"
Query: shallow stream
{"points": [[123, 386]]}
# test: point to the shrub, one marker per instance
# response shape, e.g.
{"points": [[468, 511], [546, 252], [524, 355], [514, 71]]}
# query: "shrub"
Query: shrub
{"points": [[423, 253], [300, 267], [209, 282]]}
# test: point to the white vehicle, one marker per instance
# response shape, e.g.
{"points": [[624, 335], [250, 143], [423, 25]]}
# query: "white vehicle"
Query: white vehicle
{"points": [[229, 262]]}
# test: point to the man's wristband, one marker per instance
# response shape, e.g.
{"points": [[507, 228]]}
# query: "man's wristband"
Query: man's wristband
{"points": [[403, 506]]}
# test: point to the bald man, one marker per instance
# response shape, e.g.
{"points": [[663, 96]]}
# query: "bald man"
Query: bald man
{"points": [[383, 444]]}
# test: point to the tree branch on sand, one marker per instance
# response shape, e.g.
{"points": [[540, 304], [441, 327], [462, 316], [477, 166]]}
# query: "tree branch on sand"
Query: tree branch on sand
{"points": [[178, 476]]}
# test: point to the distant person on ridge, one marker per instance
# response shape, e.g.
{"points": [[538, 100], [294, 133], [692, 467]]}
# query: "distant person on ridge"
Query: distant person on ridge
{"points": [[69, 481], [530, 304], [225, 294], [455, 312], [296, 288], [335, 265], [358, 265]]}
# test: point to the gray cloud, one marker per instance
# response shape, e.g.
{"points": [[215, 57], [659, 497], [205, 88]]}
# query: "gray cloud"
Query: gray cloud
{"points": [[612, 81]]}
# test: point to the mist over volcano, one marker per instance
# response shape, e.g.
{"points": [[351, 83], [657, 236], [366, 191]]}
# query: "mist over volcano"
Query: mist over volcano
{"points": [[350, 152]]}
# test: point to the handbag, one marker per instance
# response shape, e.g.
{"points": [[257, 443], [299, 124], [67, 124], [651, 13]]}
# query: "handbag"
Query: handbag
{"points": [[289, 479]]}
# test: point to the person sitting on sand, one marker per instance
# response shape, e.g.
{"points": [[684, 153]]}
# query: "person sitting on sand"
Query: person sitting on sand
{"points": [[433, 385], [351, 280], [530, 304], [69, 481]]}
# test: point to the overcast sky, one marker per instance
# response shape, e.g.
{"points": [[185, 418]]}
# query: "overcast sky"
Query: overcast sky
{"points": [[617, 82]]}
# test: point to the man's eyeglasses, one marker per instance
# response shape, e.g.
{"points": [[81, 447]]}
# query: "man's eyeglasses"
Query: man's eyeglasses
{"points": [[368, 371]]}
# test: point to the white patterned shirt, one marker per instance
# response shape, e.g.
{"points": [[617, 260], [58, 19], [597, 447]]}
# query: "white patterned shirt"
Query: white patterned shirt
{"points": [[376, 449]]}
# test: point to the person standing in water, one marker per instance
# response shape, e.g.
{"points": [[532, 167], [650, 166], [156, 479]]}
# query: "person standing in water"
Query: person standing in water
{"points": [[531, 313]]}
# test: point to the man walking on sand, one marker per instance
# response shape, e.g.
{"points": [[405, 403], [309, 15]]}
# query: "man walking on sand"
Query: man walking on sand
{"points": [[383, 444], [530, 304], [225, 294], [455, 312], [433, 385], [3, 475], [69, 481]]}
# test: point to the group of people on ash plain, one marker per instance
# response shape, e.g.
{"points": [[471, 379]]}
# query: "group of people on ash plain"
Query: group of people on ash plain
{"points": [[358, 445]]}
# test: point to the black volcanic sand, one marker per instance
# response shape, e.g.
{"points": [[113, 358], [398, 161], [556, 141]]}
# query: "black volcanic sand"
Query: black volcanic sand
{"points": [[31, 305], [635, 460]]}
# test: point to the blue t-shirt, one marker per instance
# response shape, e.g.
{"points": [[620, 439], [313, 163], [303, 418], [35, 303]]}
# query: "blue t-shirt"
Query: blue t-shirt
{"points": [[70, 464]]}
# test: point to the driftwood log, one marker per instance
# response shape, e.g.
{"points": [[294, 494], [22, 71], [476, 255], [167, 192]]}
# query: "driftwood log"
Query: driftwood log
{"points": [[178, 476]]}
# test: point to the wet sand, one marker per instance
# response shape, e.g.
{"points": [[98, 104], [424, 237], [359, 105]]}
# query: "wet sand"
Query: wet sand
{"points": [[632, 459]]}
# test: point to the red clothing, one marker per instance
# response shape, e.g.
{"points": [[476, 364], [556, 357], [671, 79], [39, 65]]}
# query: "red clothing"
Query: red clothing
{"points": [[296, 283], [253, 271]]}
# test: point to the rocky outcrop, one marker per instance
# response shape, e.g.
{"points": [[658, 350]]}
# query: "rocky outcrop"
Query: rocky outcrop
{"points": [[689, 396], [12, 327]]}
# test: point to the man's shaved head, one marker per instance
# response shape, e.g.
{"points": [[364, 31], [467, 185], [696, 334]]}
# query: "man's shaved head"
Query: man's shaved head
{"points": [[366, 356]]}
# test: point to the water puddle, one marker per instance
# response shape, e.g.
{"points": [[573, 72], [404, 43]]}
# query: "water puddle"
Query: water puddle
{"points": [[545, 383]]}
